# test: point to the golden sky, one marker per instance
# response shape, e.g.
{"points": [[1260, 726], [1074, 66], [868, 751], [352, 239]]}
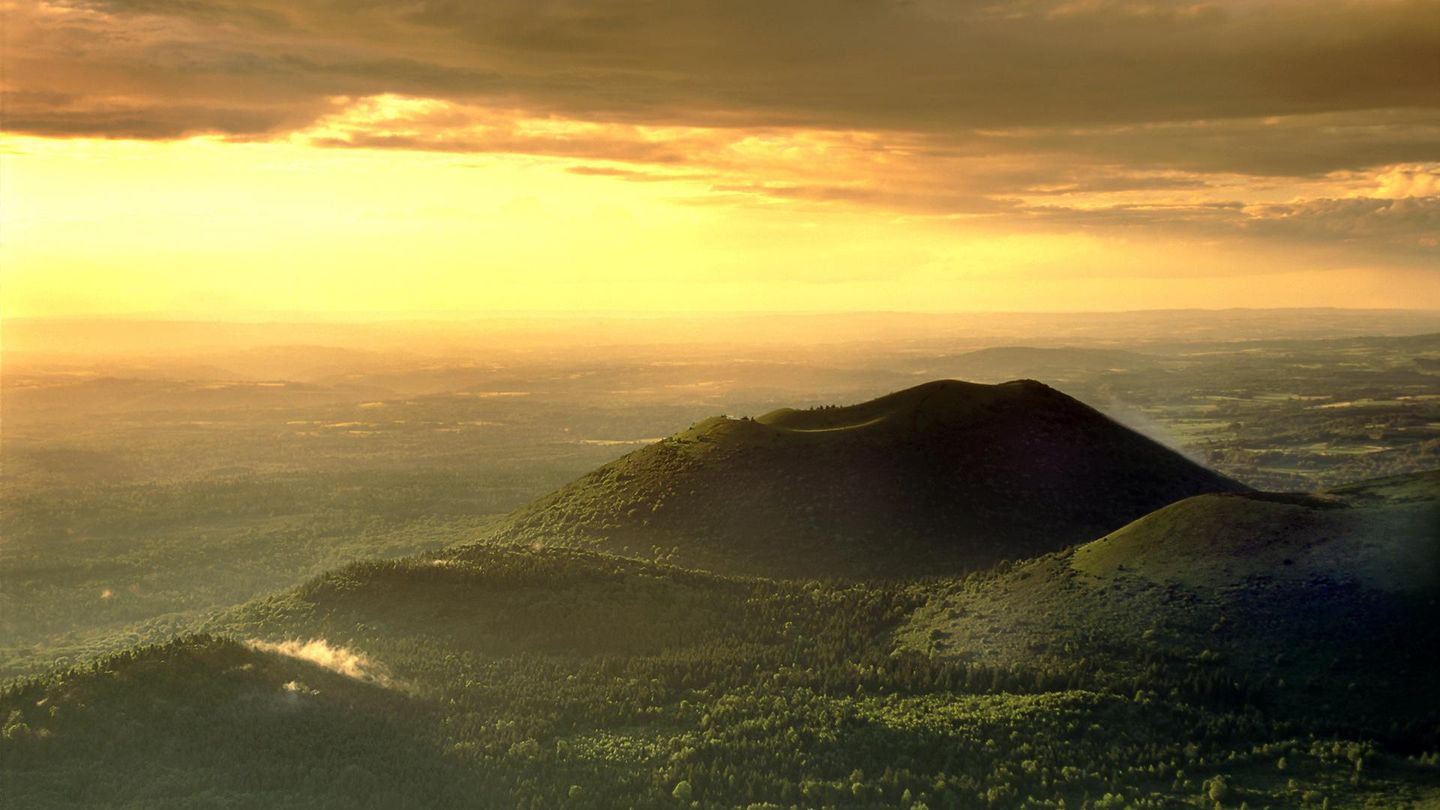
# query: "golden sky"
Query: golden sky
{"points": [[230, 157]]}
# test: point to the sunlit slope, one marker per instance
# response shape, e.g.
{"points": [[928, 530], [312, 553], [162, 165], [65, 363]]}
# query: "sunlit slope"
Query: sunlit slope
{"points": [[1381, 535], [1330, 602], [940, 478]]}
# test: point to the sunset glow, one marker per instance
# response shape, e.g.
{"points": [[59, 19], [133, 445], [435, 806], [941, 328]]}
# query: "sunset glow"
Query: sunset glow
{"points": [[242, 158]]}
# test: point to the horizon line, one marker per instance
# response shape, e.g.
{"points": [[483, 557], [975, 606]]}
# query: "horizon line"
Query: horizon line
{"points": [[370, 316]]}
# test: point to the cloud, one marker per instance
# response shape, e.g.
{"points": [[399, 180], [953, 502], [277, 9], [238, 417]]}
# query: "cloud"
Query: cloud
{"points": [[1261, 120], [1373, 227], [1411, 223], [1300, 145], [637, 176], [1399, 182], [914, 65]]}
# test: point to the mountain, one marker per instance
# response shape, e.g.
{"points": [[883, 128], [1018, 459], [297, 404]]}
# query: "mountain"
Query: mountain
{"points": [[940, 478], [1327, 604]]}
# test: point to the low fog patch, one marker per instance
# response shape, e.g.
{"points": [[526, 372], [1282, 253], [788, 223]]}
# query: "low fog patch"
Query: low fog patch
{"points": [[318, 651], [1148, 426]]}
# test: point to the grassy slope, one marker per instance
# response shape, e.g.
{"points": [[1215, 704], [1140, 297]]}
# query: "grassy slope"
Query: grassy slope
{"points": [[940, 478]]}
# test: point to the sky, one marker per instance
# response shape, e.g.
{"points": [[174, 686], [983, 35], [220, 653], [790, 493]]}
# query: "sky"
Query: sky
{"points": [[222, 158]]}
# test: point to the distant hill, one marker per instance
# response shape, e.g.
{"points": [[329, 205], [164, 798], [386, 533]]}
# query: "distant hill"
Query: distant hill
{"points": [[939, 478], [1330, 603], [1043, 362]]}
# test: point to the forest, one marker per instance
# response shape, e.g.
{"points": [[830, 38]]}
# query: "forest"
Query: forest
{"points": [[584, 694]]}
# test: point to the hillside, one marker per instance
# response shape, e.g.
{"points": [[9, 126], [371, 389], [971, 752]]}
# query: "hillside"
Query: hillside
{"points": [[1328, 604], [500, 601], [940, 478], [558, 678], [214, 722]]}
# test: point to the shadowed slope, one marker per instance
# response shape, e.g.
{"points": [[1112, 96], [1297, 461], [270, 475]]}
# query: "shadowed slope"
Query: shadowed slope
{"points": [[939, 478], [510, 601], [210, 722], [1331, 602]]}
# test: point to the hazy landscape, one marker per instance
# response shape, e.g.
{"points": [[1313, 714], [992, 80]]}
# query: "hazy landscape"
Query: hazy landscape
{"points": [[719, 404], [488, 564]]}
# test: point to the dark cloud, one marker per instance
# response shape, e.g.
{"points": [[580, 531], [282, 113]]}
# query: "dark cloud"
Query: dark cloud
{"points": [[940, 67], [1291, 146], [61, 115]]}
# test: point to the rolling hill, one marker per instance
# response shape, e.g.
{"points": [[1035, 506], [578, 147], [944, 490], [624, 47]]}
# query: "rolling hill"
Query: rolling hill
{"points": [[940, 478], [1327, 604]]}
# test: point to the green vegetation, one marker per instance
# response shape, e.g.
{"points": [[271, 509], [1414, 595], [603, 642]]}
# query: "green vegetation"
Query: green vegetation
{"points": [[559, 678]]}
